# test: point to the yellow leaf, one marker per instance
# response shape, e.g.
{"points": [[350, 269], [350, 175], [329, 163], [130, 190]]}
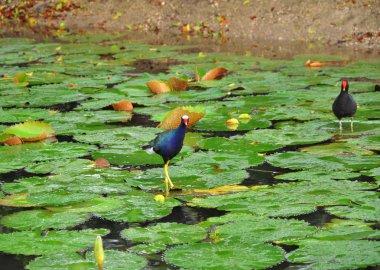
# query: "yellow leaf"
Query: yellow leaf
{"points": [[173, 118], [217, 191]]}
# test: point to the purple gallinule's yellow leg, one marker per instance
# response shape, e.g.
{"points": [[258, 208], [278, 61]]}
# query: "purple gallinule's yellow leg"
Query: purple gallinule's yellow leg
{"points": [[168, 144]]}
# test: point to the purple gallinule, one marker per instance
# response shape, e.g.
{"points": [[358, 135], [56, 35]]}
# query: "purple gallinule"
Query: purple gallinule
{"points": [[344, 105], [168, 144]]}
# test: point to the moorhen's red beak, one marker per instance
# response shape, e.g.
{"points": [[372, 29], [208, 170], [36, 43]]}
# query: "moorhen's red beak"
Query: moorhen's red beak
{"points": [[344, 85], [186, 121]]}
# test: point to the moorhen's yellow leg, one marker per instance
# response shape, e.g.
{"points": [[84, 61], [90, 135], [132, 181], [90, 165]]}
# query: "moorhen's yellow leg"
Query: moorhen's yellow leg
{"points": [[340, 125], [168, 182]]}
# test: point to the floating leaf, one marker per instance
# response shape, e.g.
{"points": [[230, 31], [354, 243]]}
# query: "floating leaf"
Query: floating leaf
{"points": [[123, 105], [33, 243], [139, 206], [8, 139], [158, 87], [224, 255], [43, 219], [166, 233], [177, 84], [336, 254], [31, 131], [173, 118], [16, 200], [115, 260]]}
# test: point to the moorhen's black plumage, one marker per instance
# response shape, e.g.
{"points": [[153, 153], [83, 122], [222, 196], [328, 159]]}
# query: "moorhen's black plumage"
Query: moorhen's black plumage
{"points": [[168, 144], [344, 105]]}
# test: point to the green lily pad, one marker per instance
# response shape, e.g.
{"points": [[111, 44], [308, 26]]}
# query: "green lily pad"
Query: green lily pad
{"points": [[43, 219], [224, 255], [337, 149], [115, 260], [341, 229], [343, 254], [207, 170], [139, 206], [98, 205], [22, 115], [296, 160], [30, 130], [33, 243], [20, 156], [289, 134], [166, 233], [274, 201], [265, 230], [366, 209], [59, 198], [148, 248]]}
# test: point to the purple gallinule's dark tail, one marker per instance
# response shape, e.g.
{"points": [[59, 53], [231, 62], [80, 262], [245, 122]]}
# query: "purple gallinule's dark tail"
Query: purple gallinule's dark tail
{"points": [[344, 105], [168, 144]]}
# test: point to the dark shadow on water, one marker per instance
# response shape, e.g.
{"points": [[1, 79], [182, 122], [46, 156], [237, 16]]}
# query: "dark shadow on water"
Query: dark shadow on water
{"points": [[17, 174], [14, 262], [65, 107], [191, 215], [264, 175], [318, 218]]}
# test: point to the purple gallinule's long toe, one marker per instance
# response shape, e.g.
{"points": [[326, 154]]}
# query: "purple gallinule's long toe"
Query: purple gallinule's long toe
{"points": [[168, 144], [344, 105]]}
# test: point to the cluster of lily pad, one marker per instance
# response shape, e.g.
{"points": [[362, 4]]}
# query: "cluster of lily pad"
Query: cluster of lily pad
{"points": [[72, 85]]}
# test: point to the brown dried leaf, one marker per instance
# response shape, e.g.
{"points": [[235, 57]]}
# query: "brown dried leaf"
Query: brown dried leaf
{"points": [[158, 87], [214, 73], [177, 84], [123, 105], [102, 163]]}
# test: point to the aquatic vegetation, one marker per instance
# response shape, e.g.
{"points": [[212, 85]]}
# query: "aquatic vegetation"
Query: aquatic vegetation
{"points": [[262, 159]]}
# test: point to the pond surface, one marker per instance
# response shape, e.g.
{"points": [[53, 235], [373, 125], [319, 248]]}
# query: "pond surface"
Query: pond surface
{"points": [[283, 188]]}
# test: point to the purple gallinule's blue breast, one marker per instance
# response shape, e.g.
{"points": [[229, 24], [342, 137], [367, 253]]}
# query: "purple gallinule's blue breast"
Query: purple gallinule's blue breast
{"points": [[168, 144], [344, 105]]}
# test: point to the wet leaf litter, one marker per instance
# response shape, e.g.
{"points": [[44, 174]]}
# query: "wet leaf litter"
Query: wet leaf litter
{"points": [[254, 180]]}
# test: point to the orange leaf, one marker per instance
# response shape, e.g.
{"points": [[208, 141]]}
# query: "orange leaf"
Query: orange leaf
{"points": [[214, 73], [123, 105], [13, 141], [158, 87], [102, 163], [310, 63], [177, 84]]}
